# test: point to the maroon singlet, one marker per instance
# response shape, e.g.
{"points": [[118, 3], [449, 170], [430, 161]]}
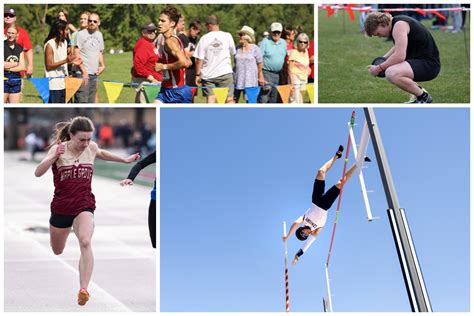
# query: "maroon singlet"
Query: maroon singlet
{"points": [[72, 183]]}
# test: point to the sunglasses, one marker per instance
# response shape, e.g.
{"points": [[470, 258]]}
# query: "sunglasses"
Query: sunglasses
{"points": [[276, 32], [8, 16], [93, 21], [302, 42], [304, 235]]}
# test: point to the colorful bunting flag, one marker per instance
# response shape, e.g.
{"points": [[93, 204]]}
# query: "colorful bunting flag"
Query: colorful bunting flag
{"points": [[42, 86], [221, 94], [310, 90], [284, 92], [252, 94], [113, 89], [151, 91], [72, 85]]}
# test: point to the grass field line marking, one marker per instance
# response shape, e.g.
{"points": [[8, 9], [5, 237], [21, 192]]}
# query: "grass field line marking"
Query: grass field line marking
{"points": [[74, 270]]}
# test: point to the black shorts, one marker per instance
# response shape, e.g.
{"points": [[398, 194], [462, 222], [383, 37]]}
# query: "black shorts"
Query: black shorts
{"points": [[321, 199], [65, 221], [424, 69]]}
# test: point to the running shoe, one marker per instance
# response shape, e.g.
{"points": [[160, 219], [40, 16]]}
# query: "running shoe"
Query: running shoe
{"points": [[413, 98], [427, 99], [82, 297]]}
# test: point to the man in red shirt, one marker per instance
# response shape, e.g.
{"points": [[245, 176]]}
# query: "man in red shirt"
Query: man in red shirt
{"points": [[145, 56], [9, 19], [311, 60]]}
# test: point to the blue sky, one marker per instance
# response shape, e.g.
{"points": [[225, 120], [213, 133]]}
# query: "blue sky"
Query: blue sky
{"points": [[230, 177]]}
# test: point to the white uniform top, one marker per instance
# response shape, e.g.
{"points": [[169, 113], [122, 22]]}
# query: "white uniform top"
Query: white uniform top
{"points": [[315, 217], [59, 53]]}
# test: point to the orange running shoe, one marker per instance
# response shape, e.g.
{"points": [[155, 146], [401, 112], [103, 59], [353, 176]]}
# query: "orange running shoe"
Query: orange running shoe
{"points": [[82, 297]]}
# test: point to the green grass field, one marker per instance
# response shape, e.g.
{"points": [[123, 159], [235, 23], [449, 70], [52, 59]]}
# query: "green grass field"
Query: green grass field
{"points": [[344, 53], [117, 69]]}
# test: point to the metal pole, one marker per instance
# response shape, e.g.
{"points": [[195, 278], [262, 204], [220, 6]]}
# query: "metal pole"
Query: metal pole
{"points": [[286, 272], [417, 294]]}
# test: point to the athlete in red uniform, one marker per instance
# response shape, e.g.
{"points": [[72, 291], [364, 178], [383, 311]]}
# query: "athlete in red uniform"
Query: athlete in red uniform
{"points": [[71, 159], [172, 60]]}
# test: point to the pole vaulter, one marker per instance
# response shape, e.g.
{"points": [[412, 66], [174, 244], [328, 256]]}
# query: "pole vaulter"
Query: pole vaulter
{"points": [[310, 224]]}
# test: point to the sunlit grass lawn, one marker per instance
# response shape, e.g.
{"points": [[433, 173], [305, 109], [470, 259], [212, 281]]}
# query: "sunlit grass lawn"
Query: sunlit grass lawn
{"points": [[344, 54]]}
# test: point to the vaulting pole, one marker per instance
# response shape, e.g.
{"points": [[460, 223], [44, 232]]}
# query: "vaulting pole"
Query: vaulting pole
{"points": [[286, 271], [343, 181]]}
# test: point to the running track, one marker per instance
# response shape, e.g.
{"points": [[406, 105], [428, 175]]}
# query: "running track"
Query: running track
{"points": [[38, 281]]}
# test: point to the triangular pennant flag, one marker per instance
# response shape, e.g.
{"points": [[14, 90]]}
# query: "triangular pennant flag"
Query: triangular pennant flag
{"points": [[42, 86], [420, 11], [252, 94], [329, 10], [193, 91], [221, 94], [441, 16], [351, 13], [310, 90], [284, 92], [113, 89], [151, 91], [72, 85]]}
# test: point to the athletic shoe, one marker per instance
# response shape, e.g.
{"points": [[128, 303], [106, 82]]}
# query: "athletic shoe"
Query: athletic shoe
{"points": [[427, 99], [82, 297], [413, 98], [339, 151]]}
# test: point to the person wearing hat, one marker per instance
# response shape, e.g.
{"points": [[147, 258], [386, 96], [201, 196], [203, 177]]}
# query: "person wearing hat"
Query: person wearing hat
{"points": [[314, 219], [145, 56], [248, 63], [413, 58], [274, 52], [213, 61], [23, 39]]}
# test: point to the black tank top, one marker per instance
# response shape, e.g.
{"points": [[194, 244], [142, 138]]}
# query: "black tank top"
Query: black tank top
{"points": [[11, 54], [421, 44]]}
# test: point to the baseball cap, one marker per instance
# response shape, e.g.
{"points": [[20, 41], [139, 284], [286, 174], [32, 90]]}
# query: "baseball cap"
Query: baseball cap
{"points": [[10, 11], [276, 27], [149, 27]]}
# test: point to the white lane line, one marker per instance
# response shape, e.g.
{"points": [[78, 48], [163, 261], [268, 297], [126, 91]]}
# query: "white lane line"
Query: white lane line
{"points": [[95, 286]]}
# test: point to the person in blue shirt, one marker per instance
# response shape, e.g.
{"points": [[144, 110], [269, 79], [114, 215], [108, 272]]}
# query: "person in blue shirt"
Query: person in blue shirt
{"points": [[148, 160], [274, 52]]}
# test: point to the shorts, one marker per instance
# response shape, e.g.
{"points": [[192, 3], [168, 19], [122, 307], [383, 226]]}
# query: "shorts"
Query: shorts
{"points": [[65, 221], [182, 94], [321, 199], [424, 69], [13, 84], [224, 81]]}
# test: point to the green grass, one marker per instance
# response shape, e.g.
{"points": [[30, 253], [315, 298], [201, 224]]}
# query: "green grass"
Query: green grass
{"points": [[344, 53], [117, 69]]}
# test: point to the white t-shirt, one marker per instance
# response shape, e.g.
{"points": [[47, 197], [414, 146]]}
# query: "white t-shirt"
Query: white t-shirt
{"points": [[315, 217], [215, 50]]}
